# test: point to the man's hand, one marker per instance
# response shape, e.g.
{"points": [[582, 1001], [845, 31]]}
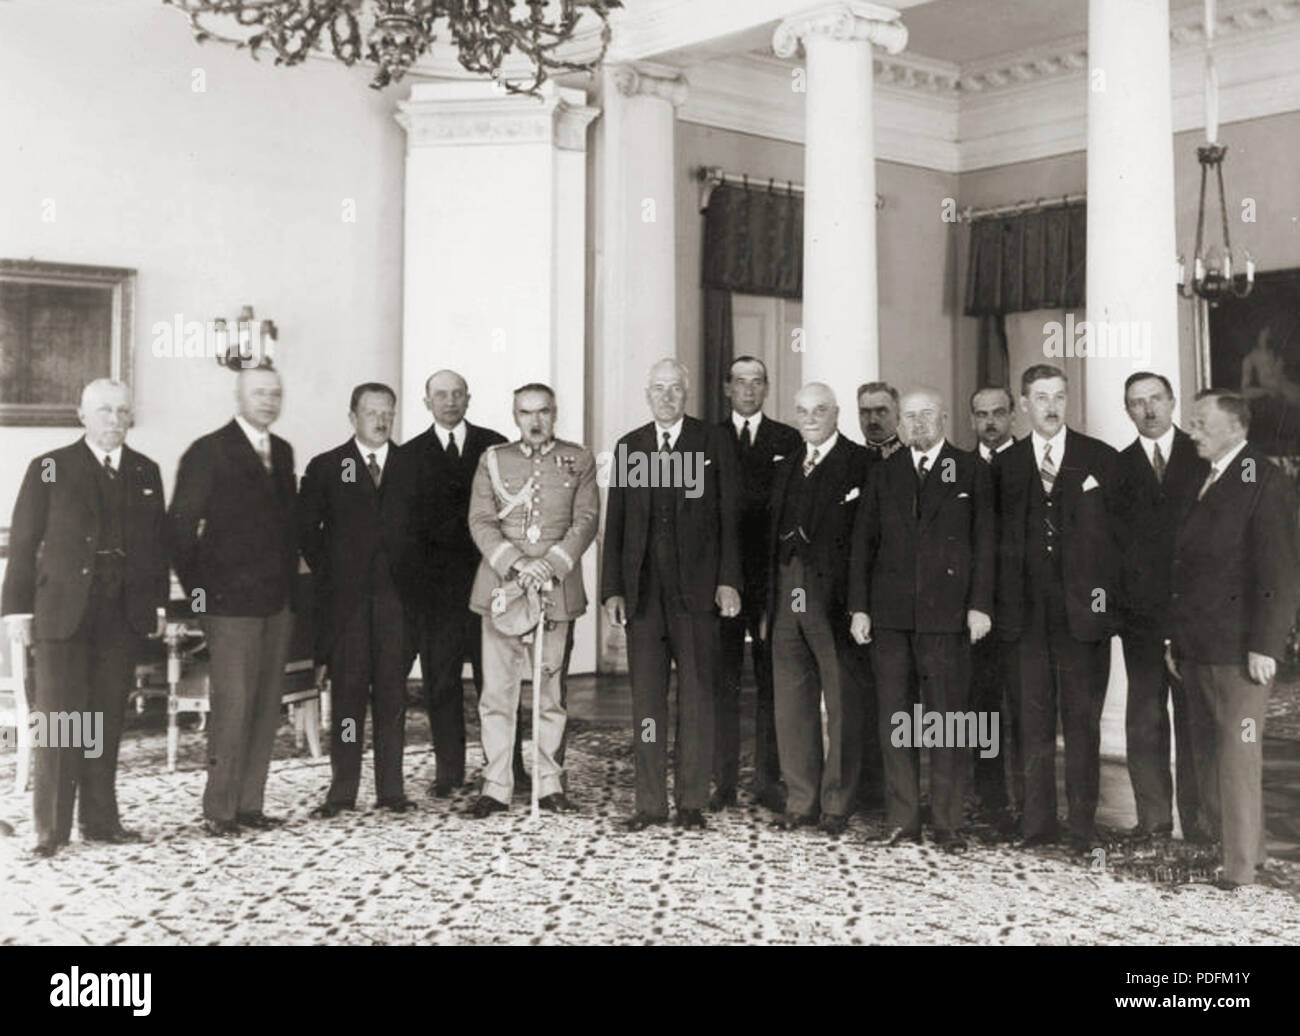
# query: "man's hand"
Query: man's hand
{"points": [[535, 573], [1170, 663], [860, 627], [322, 675], [728, 601], [19, 627], [1262, 668], [616, 611], [979, 624]]}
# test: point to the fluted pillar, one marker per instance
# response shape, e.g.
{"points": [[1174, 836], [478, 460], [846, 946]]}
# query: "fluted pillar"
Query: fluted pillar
{"points": [[841, 336]]}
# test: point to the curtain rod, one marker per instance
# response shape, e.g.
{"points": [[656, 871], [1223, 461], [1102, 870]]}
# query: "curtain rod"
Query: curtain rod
{"points": [[968, 214], [710, 177]]}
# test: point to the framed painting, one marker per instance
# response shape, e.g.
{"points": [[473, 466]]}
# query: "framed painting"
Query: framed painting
{"points": [[1255, 347], [61, 325]]}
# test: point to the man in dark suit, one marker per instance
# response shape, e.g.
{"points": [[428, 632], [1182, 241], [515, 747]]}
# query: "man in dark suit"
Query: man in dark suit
{"points": [[1057, 581], [1160, 476], [671, 563], [921, 586], [355, 523], [87, 567], [815, 496], [761, 444], [447, 632], [999, 779], [1235, 576], [234, 547]]}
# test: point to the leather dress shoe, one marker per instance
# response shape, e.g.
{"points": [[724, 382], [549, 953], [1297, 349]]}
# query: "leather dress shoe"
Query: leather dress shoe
{"points": [[1227, 884], [949, 841], [44, 850], [1083, 843], [220, 828], [557, 803], [771, 798], [1138, 833], [258, 820], [689, 818], [790, 821], [833, 824], [722, 799], [641, 821], [1035, 840], [118, 835], [402, 805], [485, 806], [899, 835], [331, 809]]}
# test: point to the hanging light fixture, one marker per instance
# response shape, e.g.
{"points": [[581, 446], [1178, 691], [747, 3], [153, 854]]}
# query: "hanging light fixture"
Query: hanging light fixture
{"points": [[1213, 278], [393, 34]]}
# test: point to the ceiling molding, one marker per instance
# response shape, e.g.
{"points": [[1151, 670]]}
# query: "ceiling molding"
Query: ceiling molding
{"points": [[1010, 108]]}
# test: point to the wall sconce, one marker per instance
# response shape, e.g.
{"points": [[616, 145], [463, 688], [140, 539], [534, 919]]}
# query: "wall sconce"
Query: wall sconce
{"points": [[249, 351]]}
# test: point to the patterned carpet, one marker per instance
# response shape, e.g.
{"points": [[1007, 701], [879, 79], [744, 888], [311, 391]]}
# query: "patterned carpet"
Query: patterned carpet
{"points": [[436, 877]]}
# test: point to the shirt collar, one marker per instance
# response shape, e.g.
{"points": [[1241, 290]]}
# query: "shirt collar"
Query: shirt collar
{"points": [[254, 436], [932, 453], [543, 450], [381, 453], [1221, 465], [673, 430], [822, 448], [461, 431], [1058, 446], [755, 419], [987, 454], [114, 455], [1166, 443]]}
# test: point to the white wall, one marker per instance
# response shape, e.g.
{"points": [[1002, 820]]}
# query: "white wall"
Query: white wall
{"points": [[218, 198]]}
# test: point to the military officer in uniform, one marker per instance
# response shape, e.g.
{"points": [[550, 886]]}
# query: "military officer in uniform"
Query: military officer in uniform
{"points": [[533, 510]]}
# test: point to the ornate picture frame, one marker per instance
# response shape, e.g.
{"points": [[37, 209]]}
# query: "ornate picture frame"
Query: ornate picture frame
{"points": [[61, 325]]}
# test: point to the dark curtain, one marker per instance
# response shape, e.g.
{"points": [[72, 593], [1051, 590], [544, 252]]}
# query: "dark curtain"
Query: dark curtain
{"points": [[753, 244], [1021, 261]]}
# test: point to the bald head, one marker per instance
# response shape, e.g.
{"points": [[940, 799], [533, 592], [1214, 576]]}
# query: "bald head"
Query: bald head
{"points": [[446, 394], [923, 418], [666, 390], [816, 412], [259, 394], [105, 412]]}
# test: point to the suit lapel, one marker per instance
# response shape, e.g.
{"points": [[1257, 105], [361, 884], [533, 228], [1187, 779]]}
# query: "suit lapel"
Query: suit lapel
{"points": [[826, 484], [936, 490], [83, 457], [903, 483]]}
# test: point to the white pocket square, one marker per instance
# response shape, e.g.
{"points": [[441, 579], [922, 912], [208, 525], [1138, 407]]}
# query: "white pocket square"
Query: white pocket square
{"points": [[852, 494], [1090, 483], [148, 491], [962, 496], [707, 461], [778, 457]]}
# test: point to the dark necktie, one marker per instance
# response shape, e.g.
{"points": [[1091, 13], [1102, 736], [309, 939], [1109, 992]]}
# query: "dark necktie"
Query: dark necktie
{"points": [[922, 468], [745, 440], [373, 467], [666, 447], [452, 452], [109, 470], [1158, 462]]}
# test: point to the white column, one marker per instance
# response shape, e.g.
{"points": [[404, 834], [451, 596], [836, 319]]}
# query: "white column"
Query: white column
{"points": [[635, 293], [1132, 306], [841, 335], [1131, 239], [495, 257], [494, 247]]}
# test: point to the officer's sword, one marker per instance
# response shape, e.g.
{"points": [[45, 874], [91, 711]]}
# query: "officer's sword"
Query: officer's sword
{"points": [[538, 635]]}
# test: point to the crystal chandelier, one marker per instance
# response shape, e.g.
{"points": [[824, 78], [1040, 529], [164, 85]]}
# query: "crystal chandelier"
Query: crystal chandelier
{"points": [[1212, 274], [393, 34]]}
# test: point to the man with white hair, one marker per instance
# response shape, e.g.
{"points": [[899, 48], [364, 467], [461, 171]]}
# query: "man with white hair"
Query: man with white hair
{"points": [[670, 566], [87, 572]]}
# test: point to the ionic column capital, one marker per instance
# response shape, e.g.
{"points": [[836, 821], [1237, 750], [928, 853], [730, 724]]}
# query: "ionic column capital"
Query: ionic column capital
{"points": [[634, 81], [847, 21]]}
